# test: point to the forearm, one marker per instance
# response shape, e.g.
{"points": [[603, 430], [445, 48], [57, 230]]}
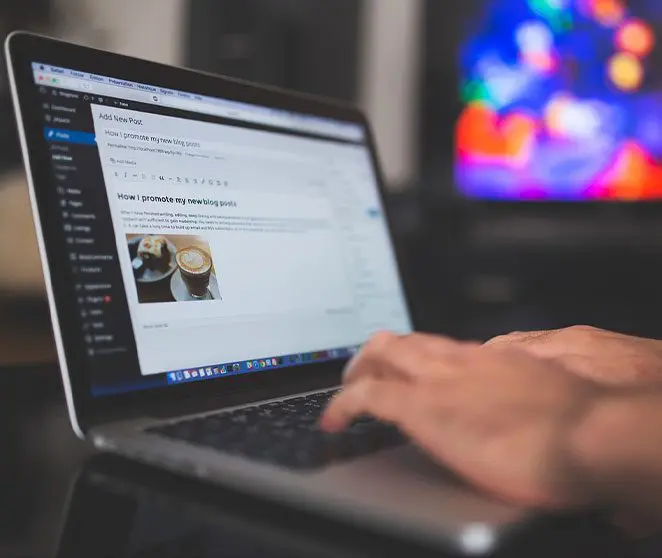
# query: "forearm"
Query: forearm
{"points": [[617, 450]]}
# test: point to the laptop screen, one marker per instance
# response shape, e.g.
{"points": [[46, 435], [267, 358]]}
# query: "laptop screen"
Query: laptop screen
{"points": [[210, 238]]}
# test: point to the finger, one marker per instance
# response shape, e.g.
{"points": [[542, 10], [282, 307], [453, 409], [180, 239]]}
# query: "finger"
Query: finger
{"points": [[375, 344], [411, 357], [521, 337], [424, 416], [385, 399]]}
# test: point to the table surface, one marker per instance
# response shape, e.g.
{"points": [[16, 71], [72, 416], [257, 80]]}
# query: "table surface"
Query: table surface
{"points": [[60, 498]]}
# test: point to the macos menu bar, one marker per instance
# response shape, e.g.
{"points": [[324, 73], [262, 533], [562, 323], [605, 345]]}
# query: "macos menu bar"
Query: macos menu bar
{"points": [[94, 84]]}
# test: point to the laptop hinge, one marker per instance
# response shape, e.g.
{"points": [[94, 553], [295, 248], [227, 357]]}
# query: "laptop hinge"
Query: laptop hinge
{"points": [[200, 404]]}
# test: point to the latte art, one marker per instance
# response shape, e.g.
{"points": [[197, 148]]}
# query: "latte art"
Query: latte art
{"points": [[195, 266], [193, 260]]}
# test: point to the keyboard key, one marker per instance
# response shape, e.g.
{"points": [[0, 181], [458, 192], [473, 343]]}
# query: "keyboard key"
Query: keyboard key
{"points": [[284, 433]]}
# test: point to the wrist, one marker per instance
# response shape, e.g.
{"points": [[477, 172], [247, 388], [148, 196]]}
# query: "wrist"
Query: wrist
{"points": [[611, 446]]}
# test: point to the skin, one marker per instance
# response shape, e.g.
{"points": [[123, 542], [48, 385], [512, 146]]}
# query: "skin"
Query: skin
{"points": [[604, 356], [522, 428]]}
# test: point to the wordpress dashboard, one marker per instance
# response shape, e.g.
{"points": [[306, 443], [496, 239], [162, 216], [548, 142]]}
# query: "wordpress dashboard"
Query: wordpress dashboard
{"points": [[231, 238]]}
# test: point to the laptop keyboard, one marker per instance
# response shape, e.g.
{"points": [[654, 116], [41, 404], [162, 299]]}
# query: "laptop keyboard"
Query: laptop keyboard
{"points": [[284, 433]]}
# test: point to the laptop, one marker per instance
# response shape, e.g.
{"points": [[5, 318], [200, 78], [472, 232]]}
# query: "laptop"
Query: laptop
{"points": [[214, 252], [145, 514]]}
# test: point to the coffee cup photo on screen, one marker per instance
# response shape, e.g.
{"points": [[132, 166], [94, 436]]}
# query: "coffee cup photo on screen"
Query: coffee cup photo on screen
{"points": [[172, 268]]}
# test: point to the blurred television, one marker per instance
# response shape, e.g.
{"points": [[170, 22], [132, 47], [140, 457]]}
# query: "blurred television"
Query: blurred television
{"points": [[560, 100]]}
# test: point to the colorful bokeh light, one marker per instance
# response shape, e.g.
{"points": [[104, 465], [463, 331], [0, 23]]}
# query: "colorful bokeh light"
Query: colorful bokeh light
{"points": [[632, 175], [483, 137], [625, 71], [535, 41], [636, 37], [503, 83], [561, 111], [566, 117], [555, 12], [555, 114], [541, 62], [608, 12], [534, 36]]}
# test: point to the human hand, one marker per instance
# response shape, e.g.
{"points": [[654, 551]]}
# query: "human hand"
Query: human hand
{"points": [[502, 419], [603, 356]]}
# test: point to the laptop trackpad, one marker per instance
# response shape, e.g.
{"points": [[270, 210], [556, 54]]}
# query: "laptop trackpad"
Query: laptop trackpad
{"points": [[409, 479]]}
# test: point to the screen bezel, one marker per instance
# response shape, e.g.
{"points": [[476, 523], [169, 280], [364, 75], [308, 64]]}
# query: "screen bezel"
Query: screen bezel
{"points": [[25, 48]]}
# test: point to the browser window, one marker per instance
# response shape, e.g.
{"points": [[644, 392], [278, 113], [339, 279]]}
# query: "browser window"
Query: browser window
{"points": [[208, 237]]}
